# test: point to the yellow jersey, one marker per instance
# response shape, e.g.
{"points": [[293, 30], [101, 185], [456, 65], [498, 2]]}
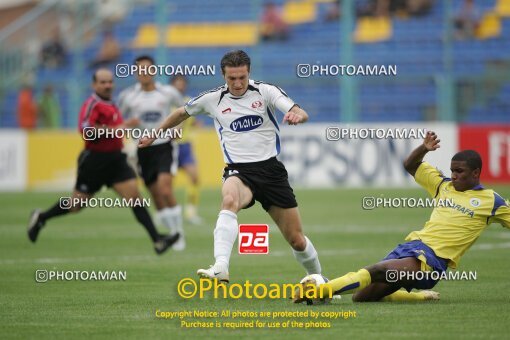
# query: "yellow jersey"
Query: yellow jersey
{"points": [[187, 131], [453, 228]]}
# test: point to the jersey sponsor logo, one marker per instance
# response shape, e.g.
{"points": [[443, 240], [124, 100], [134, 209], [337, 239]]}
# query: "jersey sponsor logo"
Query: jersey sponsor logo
{"points": [[227, 110], [463, 210], [151, 116], [253, 239], [246, 123], [475, 202]]}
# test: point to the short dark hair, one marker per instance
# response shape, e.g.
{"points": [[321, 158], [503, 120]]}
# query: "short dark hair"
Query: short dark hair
{"points": [[145, 57], [235, 59], [471, 157], [178, 77]]}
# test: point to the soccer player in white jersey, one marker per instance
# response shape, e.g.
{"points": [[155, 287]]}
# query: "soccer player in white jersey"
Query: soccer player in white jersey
{"points": [[150, 102], [244, 115]]}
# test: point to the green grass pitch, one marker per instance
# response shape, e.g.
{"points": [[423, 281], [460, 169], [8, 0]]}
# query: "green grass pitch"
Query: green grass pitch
{"points": [[346, 237]]}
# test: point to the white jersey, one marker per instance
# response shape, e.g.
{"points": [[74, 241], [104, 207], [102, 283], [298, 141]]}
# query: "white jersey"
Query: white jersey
{"points": [[246, 126], [150, 107]]}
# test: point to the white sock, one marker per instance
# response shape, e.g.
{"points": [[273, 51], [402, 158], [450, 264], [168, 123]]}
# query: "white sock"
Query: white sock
{"points": [[309, 258], [172, 219], [191, 210], [167, 219], [177, 214], [225, 235]]}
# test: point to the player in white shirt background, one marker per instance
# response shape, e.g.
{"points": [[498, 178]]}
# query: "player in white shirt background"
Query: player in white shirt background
{"points": [[244, 116], [150, 102]]}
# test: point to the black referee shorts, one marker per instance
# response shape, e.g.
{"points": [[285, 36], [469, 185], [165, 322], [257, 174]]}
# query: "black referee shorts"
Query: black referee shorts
{"points": [[154, 160], [96, 169], [268, 181]]}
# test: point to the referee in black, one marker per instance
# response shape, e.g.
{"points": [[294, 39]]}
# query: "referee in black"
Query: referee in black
{"points": [[103, 163]]}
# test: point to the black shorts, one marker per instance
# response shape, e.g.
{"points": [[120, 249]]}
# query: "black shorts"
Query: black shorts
{"points": [[154, 160], [96, 169], [268, 181]]}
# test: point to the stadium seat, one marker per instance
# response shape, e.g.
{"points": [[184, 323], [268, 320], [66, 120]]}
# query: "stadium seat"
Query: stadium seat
{"points": [[503, 8], [490, 26], [147, 36], [415, 45], [213, 34], [199, 34], [298, 12], [369, 30]]}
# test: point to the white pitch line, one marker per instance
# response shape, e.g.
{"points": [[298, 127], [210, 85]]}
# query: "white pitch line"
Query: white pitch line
{"points": [[52, 260], [350, 229], [497, 235], [491, 246], [322, 252], [276, 253]]}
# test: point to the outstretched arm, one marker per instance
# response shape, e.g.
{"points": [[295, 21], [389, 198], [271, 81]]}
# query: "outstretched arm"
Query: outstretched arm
{"points": [[430, 143], [296, 115], [174, 119]]}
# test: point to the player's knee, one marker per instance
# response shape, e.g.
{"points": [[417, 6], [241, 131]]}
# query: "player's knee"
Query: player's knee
{"points": [[130, 193], [356, 297], [297, 242], [165, 194], [378, 272], [230, 202]]}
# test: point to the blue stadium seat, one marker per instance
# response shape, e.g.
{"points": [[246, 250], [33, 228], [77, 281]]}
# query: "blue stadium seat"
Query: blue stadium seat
{"points": [[416, 47]]}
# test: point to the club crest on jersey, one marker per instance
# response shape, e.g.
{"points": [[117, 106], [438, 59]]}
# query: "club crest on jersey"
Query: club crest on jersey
{"points": [[475, 202], [246, 123], [256, 104]]}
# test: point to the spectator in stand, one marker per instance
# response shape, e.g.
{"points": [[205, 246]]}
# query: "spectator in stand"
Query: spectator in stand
{"points": [[334, 11], [53, 52], [372, 8], [401, 8], [466, 20], [27, 108], [49, 108], [418, 8], [273, 27], [109, 51]]}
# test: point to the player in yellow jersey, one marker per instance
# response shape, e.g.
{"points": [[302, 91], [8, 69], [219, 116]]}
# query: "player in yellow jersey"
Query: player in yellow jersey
{"points": [[446, 236], [186, 158]]}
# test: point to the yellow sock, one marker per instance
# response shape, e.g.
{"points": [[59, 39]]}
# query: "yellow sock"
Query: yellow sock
{"points": [[402, 295], [349, 283], [193, 194]]}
